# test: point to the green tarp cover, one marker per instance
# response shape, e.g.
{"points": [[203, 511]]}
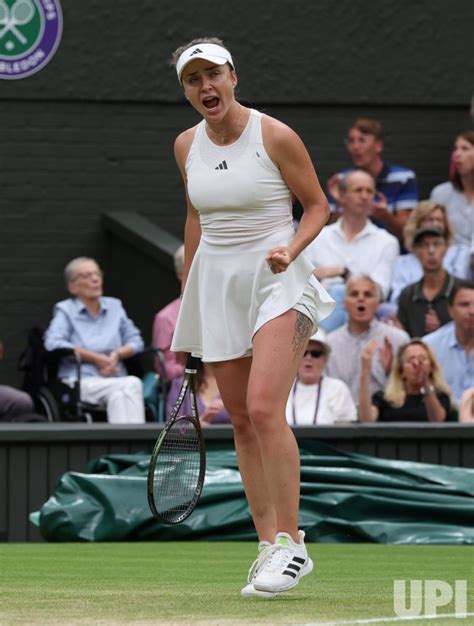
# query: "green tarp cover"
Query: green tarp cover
{"points": [[344, 498]]}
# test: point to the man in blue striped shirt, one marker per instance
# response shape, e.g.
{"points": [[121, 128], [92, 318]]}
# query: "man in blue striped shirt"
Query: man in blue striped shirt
{"points": [[397, 192], [98, 330]]}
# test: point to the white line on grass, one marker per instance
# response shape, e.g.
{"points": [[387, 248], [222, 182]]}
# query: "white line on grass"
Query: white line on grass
{"points": [[376, 620]]}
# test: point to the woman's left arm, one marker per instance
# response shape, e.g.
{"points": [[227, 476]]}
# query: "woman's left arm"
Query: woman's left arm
{"points": [[290, 155]]}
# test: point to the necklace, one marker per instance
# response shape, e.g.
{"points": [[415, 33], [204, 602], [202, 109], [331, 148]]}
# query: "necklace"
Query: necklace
{"points": [[318, 397], [225, 138]]}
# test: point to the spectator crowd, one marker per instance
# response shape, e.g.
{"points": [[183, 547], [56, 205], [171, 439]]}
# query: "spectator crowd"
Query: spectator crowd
{"points": [[399, 345]]}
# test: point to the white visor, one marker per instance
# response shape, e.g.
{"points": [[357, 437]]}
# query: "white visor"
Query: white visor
{"points": [[209, 51]]}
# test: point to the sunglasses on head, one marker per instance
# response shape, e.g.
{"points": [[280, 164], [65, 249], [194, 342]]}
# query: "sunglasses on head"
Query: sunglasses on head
{"points": [[314, 353]]}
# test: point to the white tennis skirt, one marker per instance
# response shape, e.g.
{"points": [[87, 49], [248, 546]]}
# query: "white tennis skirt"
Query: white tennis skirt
{"points": [[230, 293]]}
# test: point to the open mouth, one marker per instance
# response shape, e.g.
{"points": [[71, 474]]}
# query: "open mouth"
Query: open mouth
{"points": [[361, 308], [210, 103]]}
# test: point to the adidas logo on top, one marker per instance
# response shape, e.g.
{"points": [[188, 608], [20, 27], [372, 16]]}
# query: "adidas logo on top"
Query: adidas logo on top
{"points": [[196, 51], [222, 166]]}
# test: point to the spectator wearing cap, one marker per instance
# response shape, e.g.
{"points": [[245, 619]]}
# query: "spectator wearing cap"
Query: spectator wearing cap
{"points": [[407, 268], [314, 397], [453, 343], [164, 325], [423, 306]]}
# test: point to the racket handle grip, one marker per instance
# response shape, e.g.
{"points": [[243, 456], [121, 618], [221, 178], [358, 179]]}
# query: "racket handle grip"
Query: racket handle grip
{"points": [[191, 362]]}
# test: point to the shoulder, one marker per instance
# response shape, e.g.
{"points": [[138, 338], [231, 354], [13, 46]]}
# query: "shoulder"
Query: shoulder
{"points": [[170, 309], [395, 334], [66, 306], [182, 145], [336, 336], [405, 262], [407, 292], [279, 139], [278, 130], [111, 301], [336, 385], [113, 304], [398, 173], [442, 191], [383, 236], [390, 239], [327, 232], [437, 336]]}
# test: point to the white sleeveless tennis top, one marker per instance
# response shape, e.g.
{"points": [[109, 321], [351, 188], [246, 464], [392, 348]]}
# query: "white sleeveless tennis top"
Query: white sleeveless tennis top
{"points": [[245, 210]]}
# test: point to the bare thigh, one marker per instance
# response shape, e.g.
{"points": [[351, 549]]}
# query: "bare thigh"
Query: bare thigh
{"points": [[278, 348], [232, 379]]}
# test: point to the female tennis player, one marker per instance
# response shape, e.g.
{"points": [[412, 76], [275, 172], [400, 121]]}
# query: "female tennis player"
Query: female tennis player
{"points": [[250, 302]]}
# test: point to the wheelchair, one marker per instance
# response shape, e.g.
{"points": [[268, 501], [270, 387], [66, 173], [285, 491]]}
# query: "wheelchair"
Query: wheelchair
{"points": [[60, 402]]}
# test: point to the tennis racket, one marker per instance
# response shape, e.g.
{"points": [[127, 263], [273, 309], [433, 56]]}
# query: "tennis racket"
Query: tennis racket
{"points": [[178, 461]]}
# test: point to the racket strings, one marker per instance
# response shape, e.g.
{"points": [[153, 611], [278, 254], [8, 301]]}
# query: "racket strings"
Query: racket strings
{"points": [[177, 470]]}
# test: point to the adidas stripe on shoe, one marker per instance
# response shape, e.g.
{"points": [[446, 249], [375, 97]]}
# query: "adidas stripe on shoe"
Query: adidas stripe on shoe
{"points": [[284, 565], [249, 590]]}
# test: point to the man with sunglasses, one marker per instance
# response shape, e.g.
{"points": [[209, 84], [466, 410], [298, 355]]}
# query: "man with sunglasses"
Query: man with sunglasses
{"points": [[314, 397]]}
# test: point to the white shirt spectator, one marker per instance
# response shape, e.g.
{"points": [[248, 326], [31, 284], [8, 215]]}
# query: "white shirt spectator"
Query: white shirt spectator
{"points": [[371, 252], [323, 404], [460, 213]]}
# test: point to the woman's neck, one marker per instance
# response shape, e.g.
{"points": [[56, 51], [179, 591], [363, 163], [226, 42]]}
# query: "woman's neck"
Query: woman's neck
{"points": [[230, 127], [412, 388], [353, 224]]}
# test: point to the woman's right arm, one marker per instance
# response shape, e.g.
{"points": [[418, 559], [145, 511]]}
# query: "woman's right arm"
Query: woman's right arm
{"points": [[192, 228], [367, 411]]}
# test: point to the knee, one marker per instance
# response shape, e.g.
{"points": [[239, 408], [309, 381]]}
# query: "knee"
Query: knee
{"points": [[133, 385], [262, 413], [242, 426]]}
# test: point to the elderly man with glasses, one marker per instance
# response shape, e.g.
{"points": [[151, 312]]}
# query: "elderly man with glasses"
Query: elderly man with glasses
{"points": [[102, 335]]}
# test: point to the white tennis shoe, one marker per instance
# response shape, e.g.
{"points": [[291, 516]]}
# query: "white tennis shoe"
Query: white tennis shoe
{"points": [[249, 590], [285, 562]]}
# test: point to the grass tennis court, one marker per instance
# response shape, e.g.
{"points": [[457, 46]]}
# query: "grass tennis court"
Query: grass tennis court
{"points": [[198, 583]]}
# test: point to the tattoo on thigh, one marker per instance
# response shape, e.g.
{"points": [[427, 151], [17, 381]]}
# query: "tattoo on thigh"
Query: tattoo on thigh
{"points": [[303, 328]]}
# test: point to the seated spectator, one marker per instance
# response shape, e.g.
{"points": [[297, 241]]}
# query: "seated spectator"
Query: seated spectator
{"points": [[466, 407], [416, 390], [353, 244], [361, 301], [453, 343], [98, 330], [396, 186], [457, 195], [316, 398], [164, 325], [209, 402], [407, 268], [15, 405], [423, 306]]}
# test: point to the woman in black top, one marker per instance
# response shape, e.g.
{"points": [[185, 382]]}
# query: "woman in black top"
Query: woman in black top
{"points": [[416, 390]]}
